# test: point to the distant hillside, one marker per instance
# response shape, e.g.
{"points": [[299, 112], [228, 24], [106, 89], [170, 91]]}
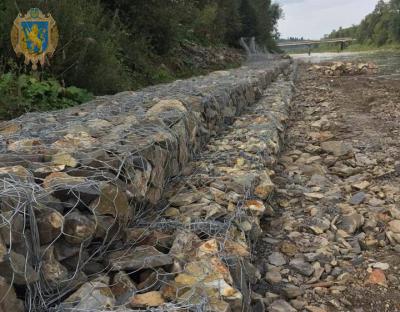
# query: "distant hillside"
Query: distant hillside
{"points": [[380, 27]]}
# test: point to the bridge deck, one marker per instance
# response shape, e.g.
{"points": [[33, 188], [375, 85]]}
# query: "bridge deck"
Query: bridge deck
{"points": [[311, 42]]}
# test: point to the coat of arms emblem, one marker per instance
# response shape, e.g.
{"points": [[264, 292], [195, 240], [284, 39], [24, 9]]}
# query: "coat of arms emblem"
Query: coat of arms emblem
{"points": [[35, 36]]}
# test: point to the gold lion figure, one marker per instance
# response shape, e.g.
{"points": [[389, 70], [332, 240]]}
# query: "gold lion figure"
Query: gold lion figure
{"points": [[34, 37]]}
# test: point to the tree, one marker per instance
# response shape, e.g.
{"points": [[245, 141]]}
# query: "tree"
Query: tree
{"points": [[259, 19], [248, 19], [111, 45], [380, 27]]}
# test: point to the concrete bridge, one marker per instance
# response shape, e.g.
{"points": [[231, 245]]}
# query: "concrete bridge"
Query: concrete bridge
{"points": [[310, 43]]}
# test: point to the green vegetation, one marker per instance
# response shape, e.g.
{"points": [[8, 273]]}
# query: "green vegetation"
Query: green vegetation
{"points": [[23, 93], [381, 28], [356, 47], [108, 46]]}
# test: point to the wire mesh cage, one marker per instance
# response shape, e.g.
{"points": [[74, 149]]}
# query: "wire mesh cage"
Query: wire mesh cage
{"points": [[110, 205]]}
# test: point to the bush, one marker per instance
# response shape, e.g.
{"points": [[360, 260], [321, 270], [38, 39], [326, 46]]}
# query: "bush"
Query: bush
{"points": [[89, 53], [23, 93]]}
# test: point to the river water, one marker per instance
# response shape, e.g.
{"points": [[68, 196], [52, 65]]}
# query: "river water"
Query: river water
{"points": [[388, 61]]}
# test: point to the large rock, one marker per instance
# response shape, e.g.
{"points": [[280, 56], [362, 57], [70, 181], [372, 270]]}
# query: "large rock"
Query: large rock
{"points": [[123, 288], [241, 181], [165, 107], [302, 267], [18, 172], [277, 259], [16, 269], [7, 128], [212, 275], [25, 146], [58, 180], [281, 306], [53, 272], [144, 236], [141, 257], [9, 300], [273, 277], [150, 299], [350, 223], [108, 229], [157, 158], [394, 226], [112, 201], [184, 244], [91, 296], [184, 199], [50, 224], [255, 207], [78, 228], [337, 148], [265, 188], [64, 159], [64, 250], [65, 187], [12, 227], [138, 171], [73, 141], [242, 281], [357, 198], [377, 277], [292, 291]]}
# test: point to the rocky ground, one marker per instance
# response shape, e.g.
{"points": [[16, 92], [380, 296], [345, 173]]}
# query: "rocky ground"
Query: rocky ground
{"points": [[334, 241]]}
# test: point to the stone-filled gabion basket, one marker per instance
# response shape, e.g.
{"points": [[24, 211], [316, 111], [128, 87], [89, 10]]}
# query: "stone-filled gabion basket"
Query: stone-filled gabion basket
{"points": [[111, 205]]}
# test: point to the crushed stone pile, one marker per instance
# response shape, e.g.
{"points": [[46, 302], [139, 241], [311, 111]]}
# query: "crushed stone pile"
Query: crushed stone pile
{"points": [[345, 69]]}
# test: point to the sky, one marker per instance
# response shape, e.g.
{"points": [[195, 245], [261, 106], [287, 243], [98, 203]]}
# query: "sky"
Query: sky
{"points": [[312, 19]]}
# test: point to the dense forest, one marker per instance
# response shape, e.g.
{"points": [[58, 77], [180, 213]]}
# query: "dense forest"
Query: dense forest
{"points": [[380, 27], [112, 45]]}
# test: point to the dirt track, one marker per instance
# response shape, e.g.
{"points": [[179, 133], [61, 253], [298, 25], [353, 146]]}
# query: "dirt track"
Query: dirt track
{"points": [[334, 243]]}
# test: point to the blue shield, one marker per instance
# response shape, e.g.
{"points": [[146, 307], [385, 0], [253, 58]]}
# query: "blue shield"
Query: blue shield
{"points": [[35, 36]]}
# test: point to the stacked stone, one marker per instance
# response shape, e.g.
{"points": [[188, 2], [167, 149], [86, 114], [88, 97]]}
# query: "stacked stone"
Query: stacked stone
{"points": [[76, 185], [219, 206], [345, 69]]}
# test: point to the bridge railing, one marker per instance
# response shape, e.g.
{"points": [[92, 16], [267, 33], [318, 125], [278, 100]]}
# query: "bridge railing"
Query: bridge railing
{"points": [[311, 42]]}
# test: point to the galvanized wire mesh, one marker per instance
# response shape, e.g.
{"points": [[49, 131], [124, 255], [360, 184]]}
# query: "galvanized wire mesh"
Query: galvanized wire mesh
{"points": [[97, 207]]}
